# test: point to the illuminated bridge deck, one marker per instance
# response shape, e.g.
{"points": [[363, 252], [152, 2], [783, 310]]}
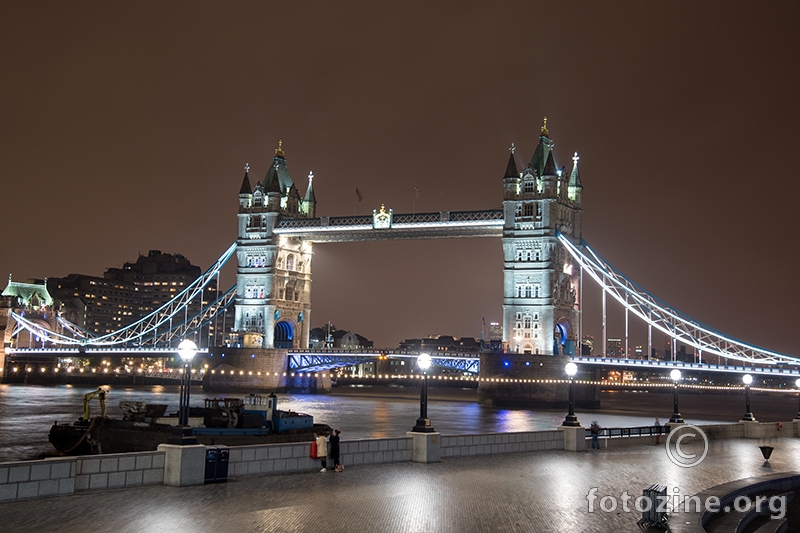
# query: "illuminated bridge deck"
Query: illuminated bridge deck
{"points": [[445, 224], [313, 361], [655, 364]]}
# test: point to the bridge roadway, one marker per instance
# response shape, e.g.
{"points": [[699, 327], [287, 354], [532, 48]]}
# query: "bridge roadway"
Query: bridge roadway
{"points": [[523, 492], [322, 360], [318, 360]]}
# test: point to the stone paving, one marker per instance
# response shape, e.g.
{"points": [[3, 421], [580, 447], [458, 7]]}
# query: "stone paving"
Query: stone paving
{"points": [[537, 491]]}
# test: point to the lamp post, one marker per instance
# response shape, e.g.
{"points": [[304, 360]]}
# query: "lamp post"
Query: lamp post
{"points": [[797, 384], [182, 433], [423, 422], [675, 375], [748, 415], [571, 420]]}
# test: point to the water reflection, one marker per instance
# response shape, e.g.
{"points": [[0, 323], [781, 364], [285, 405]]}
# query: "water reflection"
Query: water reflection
{"points": [[28, 411], [508, 420]]}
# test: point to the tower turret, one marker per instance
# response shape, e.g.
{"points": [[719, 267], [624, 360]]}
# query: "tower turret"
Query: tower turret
{"points": [[539, 280], [245, 192], [273, 280], [575, 188], [310, 200], [511, 178]]}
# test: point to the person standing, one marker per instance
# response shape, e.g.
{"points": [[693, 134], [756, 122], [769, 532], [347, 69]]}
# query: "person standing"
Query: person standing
{"points": [[594, 429], [334, 440], [657, 431], [322, 452]]}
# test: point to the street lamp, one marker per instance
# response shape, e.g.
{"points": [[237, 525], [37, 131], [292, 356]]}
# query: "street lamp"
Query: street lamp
{"points": [[676, 412], [748, 415], [423, 422], [182, 433], [571, 420], [797, 384]]}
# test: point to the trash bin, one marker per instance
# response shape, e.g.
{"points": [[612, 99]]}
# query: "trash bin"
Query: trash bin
{"points": [[211, 464], [217, 464], [222, 465]]}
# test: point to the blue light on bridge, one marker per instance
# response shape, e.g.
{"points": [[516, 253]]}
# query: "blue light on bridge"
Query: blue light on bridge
{"points": [[506, 363]]}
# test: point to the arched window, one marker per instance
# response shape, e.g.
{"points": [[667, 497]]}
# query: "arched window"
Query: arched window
{"points": [[290, 262], [284, 334]]}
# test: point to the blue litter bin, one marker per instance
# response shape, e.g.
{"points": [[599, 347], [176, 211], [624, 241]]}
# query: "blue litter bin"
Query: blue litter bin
{"points": [[212, 455]]}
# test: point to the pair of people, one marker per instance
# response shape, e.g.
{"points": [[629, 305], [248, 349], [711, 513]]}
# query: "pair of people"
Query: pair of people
{"points": [[322, 450]]}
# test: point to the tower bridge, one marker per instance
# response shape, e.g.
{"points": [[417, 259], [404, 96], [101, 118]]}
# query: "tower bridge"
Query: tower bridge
{"points": [[545, 261]]}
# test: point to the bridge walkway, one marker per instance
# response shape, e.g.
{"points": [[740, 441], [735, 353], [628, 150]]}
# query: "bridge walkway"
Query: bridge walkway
{"points": [[525, 492]]}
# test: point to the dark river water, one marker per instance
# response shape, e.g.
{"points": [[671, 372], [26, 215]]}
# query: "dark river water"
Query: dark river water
{"points": [[28, 411]]}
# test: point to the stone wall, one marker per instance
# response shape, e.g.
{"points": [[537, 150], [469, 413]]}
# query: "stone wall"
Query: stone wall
{"points": [[62, 476], [258, 370], [493, 443], [530, 380], [295, 457]]}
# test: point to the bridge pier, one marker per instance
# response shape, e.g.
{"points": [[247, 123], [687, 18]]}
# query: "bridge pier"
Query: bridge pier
{"points": [[252, 370], [528, 380]]}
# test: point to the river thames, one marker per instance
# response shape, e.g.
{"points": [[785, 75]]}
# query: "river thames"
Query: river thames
{"points": [[28, 411]]}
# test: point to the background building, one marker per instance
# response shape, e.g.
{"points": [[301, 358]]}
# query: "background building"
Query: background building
{"points": [[122, 295]]}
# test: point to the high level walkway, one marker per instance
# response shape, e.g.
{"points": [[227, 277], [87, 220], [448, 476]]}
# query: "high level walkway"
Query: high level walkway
{"points": [[542, 492]]}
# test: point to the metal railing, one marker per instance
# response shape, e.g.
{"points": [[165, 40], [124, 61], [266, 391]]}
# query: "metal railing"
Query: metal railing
{"points": [[641, 431]]}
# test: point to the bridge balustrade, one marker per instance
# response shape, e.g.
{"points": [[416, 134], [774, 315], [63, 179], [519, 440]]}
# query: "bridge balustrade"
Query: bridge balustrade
{"points": [[641, 431]]}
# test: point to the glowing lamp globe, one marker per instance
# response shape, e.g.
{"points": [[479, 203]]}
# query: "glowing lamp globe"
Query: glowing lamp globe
{"points": [[675, 375], [571, 369], [187, 349], [747, 378], [424, 361], [797, 383]]}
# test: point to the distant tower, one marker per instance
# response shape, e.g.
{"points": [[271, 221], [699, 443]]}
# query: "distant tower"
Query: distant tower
{"points": [[273, 280], [541, 283]]}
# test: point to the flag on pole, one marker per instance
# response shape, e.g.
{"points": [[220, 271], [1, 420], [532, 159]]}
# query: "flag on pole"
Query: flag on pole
{"points": [[358, 195]]}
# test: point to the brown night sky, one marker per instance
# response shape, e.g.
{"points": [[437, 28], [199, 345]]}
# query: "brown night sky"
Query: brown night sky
{"points": [[125, 127]]}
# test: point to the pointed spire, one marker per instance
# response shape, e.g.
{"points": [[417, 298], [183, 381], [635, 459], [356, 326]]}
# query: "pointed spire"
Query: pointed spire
{"points": [[246, 181], [511, 168], [550, 166], [278, 172], [274, 184], [575, 177], [310, 197], [543, 153]]}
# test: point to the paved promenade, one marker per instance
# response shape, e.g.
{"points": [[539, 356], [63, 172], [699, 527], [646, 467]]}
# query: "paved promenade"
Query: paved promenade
{"points": [[541, 492]]}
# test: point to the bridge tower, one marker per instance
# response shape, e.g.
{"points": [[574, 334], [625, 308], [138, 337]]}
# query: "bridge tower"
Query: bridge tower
{"points": [[273, 280], [540, 282]]}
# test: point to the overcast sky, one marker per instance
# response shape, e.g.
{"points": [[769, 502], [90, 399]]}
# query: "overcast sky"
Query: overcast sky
{"points": [[125, 127]]}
